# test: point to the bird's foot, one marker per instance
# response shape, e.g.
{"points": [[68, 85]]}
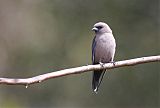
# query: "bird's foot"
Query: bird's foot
{"points": [[102, 64], [113, 62]]}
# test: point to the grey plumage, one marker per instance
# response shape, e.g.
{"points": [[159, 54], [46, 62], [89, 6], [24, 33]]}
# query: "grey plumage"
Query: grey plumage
{"points": [[103, 50]]}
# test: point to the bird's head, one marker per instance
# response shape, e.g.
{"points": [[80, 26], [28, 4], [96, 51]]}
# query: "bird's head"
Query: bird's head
{"points": [[101, 27]]}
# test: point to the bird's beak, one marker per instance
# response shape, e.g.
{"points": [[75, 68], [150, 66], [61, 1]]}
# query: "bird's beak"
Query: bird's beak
{"points": [[95, 29]]}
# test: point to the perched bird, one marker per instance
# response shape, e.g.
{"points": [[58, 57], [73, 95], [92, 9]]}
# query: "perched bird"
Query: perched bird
{"points": [[103, 50]]}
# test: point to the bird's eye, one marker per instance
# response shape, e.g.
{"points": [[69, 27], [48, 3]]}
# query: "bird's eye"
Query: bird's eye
{"points": [[99, 27]]}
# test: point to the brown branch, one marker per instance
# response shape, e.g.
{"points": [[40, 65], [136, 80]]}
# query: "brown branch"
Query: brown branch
{"points": [[77, 70]]}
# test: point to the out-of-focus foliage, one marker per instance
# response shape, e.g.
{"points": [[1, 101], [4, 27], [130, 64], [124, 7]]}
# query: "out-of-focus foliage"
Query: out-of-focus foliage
{"points": [[40, 36]]}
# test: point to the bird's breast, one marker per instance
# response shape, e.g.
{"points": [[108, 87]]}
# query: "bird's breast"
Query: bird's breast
{"points": [[105, 48]]}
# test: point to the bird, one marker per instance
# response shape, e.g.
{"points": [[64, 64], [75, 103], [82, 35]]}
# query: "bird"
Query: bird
{"points": [[103, 51]]}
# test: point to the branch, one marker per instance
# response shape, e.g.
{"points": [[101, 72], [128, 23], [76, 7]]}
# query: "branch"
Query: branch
{"points": [[78, 70]]}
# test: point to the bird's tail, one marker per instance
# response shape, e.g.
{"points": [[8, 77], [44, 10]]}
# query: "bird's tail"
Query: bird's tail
{"points": [[97, 79]]}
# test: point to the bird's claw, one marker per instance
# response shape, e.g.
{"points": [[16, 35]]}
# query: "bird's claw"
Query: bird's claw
{"points": [[113, 62], [102, 64]]}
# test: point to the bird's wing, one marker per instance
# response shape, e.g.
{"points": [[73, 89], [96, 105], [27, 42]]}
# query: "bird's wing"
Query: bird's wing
{"points": [[98, 74], [93, 49]]}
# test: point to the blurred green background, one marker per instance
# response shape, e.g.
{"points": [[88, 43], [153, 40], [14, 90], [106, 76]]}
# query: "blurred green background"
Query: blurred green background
{"points": [[40, 36]]}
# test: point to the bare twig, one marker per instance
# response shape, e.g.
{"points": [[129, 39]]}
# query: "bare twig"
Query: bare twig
{"points": [[77, 70]]}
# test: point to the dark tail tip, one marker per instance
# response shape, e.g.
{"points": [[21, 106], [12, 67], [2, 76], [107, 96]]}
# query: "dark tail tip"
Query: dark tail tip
{"points": [[95, 90], [97, 79], [95, 85]]}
